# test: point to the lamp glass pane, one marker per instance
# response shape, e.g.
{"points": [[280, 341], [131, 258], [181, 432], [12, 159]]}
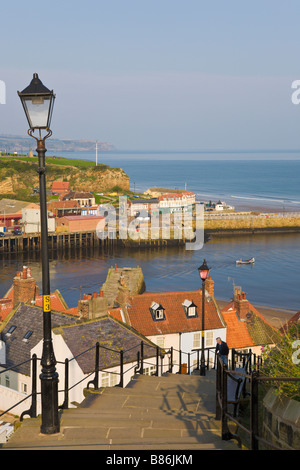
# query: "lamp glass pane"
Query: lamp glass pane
{"points": [[37, 111], [204, 274]]}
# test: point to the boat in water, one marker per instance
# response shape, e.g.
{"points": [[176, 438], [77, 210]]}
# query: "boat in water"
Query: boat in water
{"points": [[247, 261]]}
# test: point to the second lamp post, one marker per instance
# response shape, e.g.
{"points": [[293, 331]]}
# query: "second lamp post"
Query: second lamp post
{"points": [[203, 271]]}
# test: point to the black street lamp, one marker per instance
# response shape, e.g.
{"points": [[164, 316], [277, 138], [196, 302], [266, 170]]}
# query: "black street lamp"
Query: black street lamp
{"points": [[203, 271], [38, 103]]}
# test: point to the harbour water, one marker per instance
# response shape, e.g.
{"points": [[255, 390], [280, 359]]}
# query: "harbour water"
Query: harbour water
{"points": [[272, 281]]}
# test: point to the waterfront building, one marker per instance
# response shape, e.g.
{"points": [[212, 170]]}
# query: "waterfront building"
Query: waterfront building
{"points": [[143, 207], [11, 211], [61, 208], [84, 198], [80, 223], [31, 220], [177, 202]]}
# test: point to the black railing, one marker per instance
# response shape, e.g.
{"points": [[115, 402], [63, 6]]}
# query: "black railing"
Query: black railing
{"points": [[251, 374], [139, 368], [33, 395]]}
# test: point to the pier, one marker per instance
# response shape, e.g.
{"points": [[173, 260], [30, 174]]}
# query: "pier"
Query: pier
{"points": [[31, 242]]}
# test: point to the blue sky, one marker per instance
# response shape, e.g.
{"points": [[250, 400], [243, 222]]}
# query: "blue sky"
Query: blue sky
{"points": [[157, 74]]}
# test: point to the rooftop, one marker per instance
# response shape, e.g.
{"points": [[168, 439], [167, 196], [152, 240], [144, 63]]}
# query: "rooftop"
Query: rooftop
{"points": [[26, 318], [175, 319]]}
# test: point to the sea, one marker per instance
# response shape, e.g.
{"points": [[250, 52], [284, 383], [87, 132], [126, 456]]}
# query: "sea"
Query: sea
{"points": [[264, 181]]}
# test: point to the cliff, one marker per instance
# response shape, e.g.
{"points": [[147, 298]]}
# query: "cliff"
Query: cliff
{"points": [[20, 175]]}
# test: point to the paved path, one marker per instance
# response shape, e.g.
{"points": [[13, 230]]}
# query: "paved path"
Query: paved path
{"points": [[176, 412]]}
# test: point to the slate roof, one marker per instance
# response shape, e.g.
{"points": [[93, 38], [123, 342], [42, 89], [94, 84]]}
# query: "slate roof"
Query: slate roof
{"points": [[175, 318], [27, 318], [112, 335]]}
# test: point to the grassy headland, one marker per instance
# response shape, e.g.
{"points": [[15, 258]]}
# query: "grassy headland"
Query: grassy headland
{"points": [[18, 176]]}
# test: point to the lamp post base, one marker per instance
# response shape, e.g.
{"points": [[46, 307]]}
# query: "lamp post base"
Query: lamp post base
{"points": [[50, 419]]}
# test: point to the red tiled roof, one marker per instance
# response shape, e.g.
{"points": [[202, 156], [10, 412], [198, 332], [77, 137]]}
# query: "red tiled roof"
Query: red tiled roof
{"points": [[6, 306], [175, 195], [72, 311], [63, 204], [56, 301], [176, 320], [61, 185], [237, 335], [82, 217], [116, 313]]}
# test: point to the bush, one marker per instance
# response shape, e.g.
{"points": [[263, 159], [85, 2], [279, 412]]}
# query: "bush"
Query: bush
{"points": [[284, 361]]}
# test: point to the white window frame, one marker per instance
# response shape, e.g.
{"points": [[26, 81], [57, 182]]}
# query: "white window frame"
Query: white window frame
{"points": [[197, 340], [209, 339]]}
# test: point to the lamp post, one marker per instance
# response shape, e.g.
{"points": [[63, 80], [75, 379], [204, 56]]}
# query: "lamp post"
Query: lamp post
{"points": [[203, 272], [38, 101]]}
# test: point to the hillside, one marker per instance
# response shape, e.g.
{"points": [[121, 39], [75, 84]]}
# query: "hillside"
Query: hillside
{"points": [[21, 144], [18, 175]]}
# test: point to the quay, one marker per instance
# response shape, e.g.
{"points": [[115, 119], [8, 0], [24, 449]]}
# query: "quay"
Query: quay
{"points": [[225, 224]]}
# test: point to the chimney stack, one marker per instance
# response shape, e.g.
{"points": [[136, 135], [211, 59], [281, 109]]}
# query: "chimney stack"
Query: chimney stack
{"points": [[210, 286], [25, 288], [92, 306], [241, 304]]}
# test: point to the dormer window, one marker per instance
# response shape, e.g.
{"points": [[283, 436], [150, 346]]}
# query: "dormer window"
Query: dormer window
{"points": [[190, 309], [157, 311]]}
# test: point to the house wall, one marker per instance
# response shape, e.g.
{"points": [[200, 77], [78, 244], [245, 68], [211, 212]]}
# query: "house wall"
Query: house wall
{"points": [[169, 340], [188, 345], [10, 397], [32, 222]]}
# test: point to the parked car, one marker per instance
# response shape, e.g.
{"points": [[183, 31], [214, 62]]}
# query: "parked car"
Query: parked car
{"points": [[17, 231], [2, 234]]}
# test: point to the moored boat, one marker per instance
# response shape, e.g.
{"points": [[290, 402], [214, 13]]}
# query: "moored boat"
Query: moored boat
{"points": [[247, 261]]}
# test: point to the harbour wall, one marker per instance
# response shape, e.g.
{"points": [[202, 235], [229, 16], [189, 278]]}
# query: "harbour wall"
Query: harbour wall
{"points": [[227, 224], [252, 223]]}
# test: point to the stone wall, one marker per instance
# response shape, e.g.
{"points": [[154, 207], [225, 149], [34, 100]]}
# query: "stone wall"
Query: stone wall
{"points": [[250, 222], [281, 421]]}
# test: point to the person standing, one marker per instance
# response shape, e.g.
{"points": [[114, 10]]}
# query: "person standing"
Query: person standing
{"points": [[223, 350]]}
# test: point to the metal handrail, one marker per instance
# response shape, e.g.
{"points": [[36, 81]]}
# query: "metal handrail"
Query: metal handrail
{"points": [[222, 413], [33, 394], [32, 411]]}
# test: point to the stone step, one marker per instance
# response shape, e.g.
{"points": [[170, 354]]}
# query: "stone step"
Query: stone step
{"points": [[172, 412]]}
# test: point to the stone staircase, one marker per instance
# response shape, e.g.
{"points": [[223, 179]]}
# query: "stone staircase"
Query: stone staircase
{"points": [[174, 412]]}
